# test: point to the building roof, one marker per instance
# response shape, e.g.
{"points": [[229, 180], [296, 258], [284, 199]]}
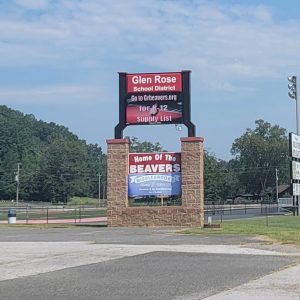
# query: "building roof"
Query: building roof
{"points": [[283, 188]]}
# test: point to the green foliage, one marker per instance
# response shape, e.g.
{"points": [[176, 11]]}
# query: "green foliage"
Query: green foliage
{"points": [[55, 164], [137, 146], [258, 152], [83, 201], [213, 178], [220, 181]]}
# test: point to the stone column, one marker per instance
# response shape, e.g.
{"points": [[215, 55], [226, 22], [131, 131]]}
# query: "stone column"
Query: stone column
{"points": [[117, 180], [192, 168]]}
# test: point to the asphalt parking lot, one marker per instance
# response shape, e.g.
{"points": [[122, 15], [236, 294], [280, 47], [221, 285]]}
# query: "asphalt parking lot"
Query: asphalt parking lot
{"points": [[134, 263]]}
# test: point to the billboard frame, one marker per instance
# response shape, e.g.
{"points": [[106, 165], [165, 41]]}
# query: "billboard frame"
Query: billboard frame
{"points": [[186, 109]]}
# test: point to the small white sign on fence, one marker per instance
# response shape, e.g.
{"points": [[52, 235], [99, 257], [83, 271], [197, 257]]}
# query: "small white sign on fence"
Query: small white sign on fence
{"points": [[296, 189], [295, 170], [295, 145]]}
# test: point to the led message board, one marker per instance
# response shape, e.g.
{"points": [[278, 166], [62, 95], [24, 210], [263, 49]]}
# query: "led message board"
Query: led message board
{"points": [[154, 99]]}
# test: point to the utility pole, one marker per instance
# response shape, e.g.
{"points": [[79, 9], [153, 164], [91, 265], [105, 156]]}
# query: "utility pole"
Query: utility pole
{"points": [[17, 178], [99, 188], [103, 191], [276, 172]]}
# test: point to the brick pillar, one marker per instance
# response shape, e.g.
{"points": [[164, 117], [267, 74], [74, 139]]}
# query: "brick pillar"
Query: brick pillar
{"points": [[117, 180], [192, 168]]}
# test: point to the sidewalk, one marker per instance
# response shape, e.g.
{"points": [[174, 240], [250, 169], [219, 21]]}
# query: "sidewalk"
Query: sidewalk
{"points": [[59, 221], [284, 285]]}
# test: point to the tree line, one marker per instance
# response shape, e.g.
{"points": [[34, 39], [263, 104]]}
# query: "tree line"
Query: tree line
{"points": [[258, 154], [56, 165]]}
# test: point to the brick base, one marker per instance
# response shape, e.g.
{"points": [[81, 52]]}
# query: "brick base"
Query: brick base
{"points": [[191, 213], [155, 216]]}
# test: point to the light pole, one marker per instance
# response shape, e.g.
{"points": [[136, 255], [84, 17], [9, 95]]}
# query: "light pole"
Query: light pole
{"points": [[293, 94]]}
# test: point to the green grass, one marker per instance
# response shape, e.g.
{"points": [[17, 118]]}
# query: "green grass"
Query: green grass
{"points": [[282, 229], [83, 201]]}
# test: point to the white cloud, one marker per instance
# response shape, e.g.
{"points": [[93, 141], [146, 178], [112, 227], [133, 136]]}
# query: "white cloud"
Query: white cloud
{"points": [[53, 94], [33, 4], [262, 13], [219, 42]]}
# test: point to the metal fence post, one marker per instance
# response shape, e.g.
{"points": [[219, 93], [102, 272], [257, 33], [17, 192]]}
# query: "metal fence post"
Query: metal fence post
{"points": [[27, 214], [47, 215]]}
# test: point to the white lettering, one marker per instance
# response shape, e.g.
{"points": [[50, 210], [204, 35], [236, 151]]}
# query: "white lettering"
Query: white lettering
{"points": [[140, 168], [155, 168], [150, 119], [148, 169], [141, 80], [164, 79], [142, 158], [132, 169], [168, 168], [161, 168], [143, 89], [165, 88], [176, 168]]}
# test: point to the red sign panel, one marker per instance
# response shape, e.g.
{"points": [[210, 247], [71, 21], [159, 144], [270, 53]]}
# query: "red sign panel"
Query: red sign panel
{"points": [[144, 113], [164, 162], [154, 83]]}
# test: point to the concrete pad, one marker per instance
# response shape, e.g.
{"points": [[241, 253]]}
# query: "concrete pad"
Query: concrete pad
{"points": [[20, 259], [283, 285]]}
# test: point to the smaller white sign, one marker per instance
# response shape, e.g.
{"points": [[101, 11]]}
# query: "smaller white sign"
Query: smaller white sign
{"points": [[295, 143], [296, 189], [295, 170]]}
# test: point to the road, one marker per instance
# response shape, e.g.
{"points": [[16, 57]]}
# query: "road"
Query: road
{"points": [[134, 263]]}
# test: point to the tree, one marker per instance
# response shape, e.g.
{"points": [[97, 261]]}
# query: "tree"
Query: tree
{"points": [[258, 152], [137, 146], [213, 178], [55, 163], [220, 180]]}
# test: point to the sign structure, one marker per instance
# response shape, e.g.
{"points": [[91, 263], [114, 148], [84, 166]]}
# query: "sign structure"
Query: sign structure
{"points": [[295, 170], [296, 189], [154, 99], [154, 174], [294, 145]]}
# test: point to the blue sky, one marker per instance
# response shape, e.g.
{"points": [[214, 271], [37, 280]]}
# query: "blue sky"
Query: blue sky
{"points": [[59, 61]]}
